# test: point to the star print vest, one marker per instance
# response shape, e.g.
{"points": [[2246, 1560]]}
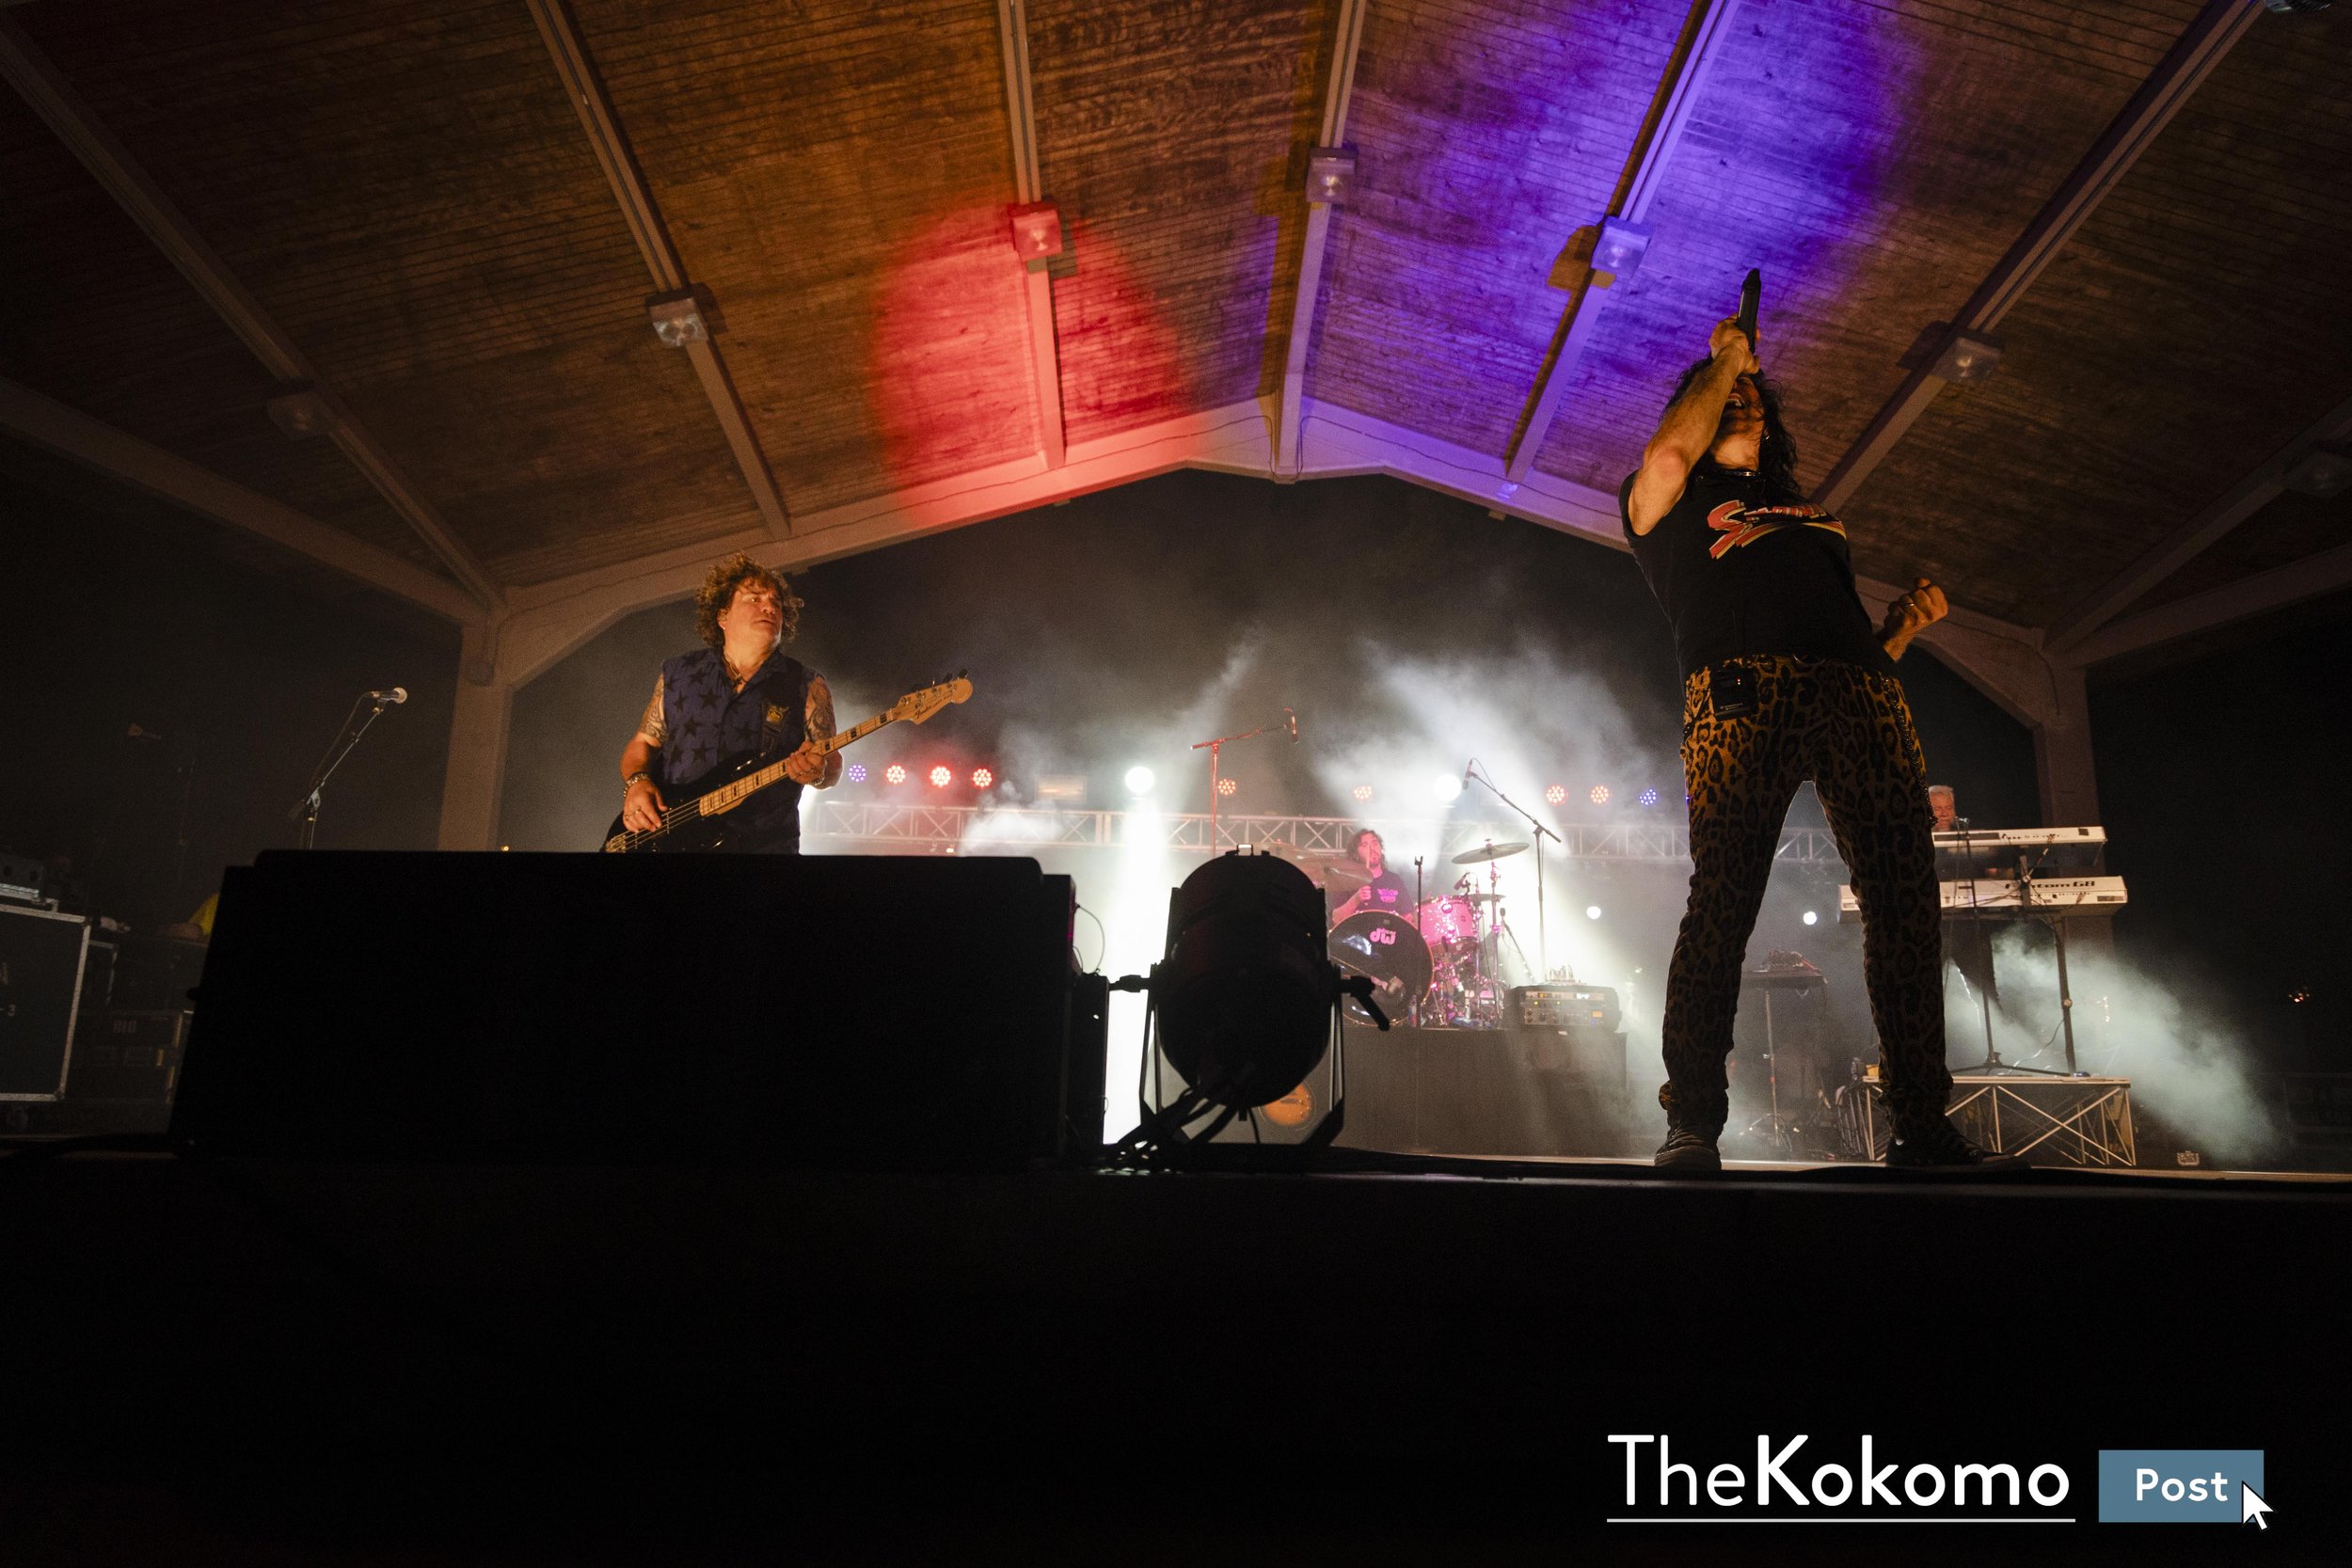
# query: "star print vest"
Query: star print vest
{"points": [[711, 724]]}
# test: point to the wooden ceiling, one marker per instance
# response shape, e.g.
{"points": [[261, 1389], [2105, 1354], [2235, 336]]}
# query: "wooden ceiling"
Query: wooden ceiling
{"points": [[402, 188]]}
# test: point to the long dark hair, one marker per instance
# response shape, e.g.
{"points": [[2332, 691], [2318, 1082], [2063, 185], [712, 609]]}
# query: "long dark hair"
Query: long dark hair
{"points": [[1776, 459]]}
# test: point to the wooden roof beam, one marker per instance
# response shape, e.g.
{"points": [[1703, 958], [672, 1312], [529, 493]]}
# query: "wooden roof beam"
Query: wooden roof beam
{"points": [[50, 97], [2276, 589], [686, 328], [1654, 146], [46, 423], [2191, 59], [1307, 295], [2192, 538], [1012, 31]]}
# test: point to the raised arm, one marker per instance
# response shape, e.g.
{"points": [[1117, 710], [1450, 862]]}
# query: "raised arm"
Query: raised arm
{"points": [[1688, 429]]}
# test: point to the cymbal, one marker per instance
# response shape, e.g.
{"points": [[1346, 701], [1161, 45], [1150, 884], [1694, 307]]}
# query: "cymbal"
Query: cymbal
{"points": [[1491, 853], [1336, 871]]}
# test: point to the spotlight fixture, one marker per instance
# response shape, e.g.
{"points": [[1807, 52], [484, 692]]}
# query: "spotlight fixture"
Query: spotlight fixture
{"points": [[1601, 795], [1445, 787], [1811, 918], [2322, 471], [677, 319], [1226, 787], [1036, 232], [894, 774], [1140, 780], [1556, 794], [1361, 792], [1647, 797], [1331, 175], [1620, 246], [300, 412], [1969, 358], [855, 772], [940, 776], [1244, 993], [1592, 912], [982, 778]]}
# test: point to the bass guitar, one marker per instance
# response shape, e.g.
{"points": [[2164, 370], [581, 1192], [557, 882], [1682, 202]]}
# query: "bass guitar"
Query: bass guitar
{"points": [[695, 814]]}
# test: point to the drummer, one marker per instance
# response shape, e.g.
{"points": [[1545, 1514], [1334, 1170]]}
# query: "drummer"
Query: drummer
{"points": [[1385, 891]]}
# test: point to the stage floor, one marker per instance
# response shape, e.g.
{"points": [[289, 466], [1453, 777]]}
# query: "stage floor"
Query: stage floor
{"points": [[1402, 1356]]}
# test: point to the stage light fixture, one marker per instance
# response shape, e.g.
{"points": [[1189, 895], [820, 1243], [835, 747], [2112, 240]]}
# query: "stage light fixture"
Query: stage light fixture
{"points": [[940, 776], [1445, 787], [1361, 792], [1245, 994], [855, 772], [2323, 471], [1140, 780], [894, 774], [1036, 232], [677, 319], [1592, 912], [1226, 787], [1811, 918], [1648, 797], [1969, 358], [1601, 795], [1331, 175], [982, 778], [1556, 794]]}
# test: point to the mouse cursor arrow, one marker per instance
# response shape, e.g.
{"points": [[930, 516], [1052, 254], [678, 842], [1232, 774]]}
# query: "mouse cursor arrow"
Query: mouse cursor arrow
{"points": [[2250, 1506]]}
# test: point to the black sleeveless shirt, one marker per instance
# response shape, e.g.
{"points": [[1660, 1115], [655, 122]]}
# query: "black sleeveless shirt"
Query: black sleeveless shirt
{"points": [[1739, 574]]}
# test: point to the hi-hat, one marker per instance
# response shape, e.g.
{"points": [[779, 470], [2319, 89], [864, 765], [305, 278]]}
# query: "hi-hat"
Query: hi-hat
{"points": [[1491, 853]]}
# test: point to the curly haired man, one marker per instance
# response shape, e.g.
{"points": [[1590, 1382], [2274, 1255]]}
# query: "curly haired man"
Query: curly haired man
{"points": [[738, 696]]}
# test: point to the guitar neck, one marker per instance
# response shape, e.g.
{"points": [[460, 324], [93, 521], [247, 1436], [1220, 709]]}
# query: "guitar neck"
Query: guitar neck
{"points": [[750, 784]]}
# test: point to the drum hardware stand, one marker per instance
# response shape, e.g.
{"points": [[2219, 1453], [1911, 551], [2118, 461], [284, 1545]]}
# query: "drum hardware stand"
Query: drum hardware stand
{"points": [[306, 810], [1543, 944], [1289, 723], [1412, 1009]]}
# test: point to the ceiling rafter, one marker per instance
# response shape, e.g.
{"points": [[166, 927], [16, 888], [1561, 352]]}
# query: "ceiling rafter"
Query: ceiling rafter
{"points": [[2257, 490], [50, 97], [2275, 589], [70, 433], [1307, 296], [1012, 29], [2183, 68], [1654, 146], [585, 89]]}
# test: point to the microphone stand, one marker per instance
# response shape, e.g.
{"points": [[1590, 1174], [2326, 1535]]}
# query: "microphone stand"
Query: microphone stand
{"points": [[1543, 944], [306, 810], [1290, 721]]}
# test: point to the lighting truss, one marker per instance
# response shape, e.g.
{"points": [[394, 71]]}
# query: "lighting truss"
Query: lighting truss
{"points": [[986, 830]]}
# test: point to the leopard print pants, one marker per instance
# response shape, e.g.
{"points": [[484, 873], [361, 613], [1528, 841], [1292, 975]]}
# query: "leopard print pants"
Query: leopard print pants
{"points": [[1849, 731]]}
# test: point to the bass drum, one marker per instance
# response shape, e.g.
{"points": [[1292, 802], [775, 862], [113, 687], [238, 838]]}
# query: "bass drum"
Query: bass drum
{"points": [[1386, 948]]}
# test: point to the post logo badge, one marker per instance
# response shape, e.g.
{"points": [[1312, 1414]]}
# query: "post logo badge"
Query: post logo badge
{"points": [[2182, 1486]]}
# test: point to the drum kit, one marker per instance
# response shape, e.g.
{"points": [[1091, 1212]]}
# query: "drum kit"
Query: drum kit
{"points": [[1440, 967]]}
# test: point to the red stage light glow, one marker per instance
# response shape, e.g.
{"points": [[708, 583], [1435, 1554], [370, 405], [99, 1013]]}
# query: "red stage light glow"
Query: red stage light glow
{"points": [[982, 778], [1556, 794], [1226, 787], [940, 776], [894, 774], [1362, 792]]}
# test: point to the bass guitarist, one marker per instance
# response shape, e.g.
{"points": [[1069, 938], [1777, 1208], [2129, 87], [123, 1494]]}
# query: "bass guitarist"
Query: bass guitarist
{"points": [[740, 695]]}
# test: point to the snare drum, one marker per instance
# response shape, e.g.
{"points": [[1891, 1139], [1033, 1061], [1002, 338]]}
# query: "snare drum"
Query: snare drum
{"points": [[1448, 925], [1388, 949]]}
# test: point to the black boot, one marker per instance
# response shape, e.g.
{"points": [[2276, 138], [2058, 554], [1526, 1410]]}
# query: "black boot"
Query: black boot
{"points": [[1938, 1145], [1687, 1149]]}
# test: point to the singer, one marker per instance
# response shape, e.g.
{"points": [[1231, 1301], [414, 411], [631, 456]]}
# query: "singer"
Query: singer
{"points": [[737, 696], [1784, 679]]}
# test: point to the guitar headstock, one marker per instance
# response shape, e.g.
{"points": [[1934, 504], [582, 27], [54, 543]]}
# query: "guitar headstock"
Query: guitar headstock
{"points": [[915, 707]]}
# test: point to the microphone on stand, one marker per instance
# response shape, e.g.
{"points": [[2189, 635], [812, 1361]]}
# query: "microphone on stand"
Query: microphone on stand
{"points": [[1290, 722], [388, 699], [1467, 768]]}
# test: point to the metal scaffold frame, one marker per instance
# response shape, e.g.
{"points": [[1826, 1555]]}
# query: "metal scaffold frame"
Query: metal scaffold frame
{"points": [[1000, 830]]}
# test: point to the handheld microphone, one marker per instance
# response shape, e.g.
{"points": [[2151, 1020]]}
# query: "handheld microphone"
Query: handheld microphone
{"points": [[387, 699], [1750, 297]]}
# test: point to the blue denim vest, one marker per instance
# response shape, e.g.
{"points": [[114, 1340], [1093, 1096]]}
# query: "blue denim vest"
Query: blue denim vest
{"points": [[711, 724]]}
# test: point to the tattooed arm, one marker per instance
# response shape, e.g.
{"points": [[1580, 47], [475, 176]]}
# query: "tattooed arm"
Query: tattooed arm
{"points": [[641, 801], [817, 720]]}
